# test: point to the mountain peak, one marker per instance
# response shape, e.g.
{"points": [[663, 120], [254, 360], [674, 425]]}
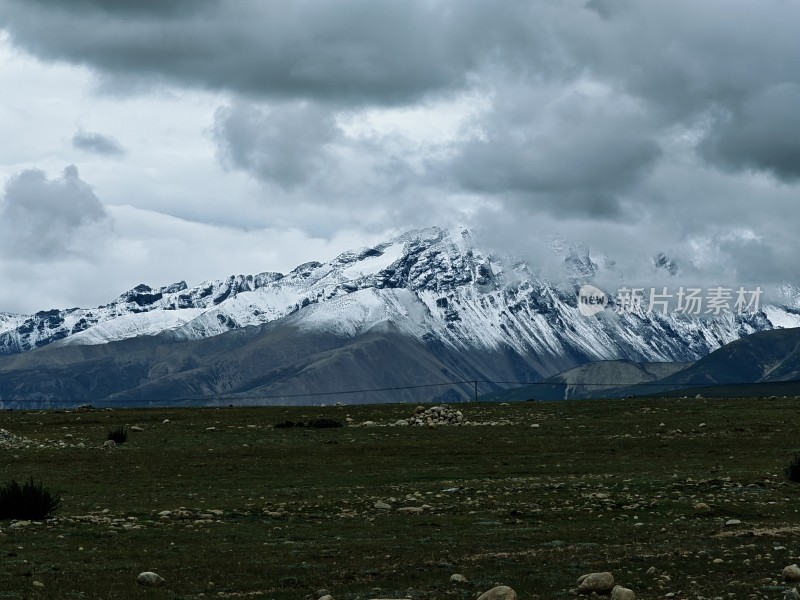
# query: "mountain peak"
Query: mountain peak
{"points": [[435, 283]]}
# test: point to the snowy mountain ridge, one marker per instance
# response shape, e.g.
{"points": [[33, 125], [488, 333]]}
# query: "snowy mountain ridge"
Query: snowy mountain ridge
{"points": [[433, 285]]}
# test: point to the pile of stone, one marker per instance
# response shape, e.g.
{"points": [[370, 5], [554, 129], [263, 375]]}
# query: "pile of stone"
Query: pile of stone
{"points": [[435, 415], [8, 440], [190, 516]]}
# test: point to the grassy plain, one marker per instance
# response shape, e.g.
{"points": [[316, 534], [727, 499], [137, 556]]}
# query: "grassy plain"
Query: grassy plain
{"points": [[260, 512]]}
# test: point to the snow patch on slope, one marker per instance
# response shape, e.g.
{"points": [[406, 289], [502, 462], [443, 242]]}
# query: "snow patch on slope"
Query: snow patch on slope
{"points": [[780, 318], [356, 313], [133, 325], [374, 264]]}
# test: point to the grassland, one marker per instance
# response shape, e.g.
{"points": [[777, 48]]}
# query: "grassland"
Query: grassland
{"points": [[260, 512]]}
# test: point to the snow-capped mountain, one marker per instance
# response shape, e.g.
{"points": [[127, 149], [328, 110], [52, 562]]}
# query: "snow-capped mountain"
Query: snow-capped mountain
{"points": [[426, 309], [432, 284]]}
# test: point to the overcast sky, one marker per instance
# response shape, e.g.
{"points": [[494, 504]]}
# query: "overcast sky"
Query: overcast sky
{"points": [[164, 140]]}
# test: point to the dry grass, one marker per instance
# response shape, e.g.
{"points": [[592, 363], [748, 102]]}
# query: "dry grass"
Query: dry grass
{"points": [[278, 513]]}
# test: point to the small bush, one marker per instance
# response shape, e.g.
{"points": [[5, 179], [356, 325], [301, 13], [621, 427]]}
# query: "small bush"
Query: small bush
{"points": [[118, 434], [792, 471], [29, 501]]}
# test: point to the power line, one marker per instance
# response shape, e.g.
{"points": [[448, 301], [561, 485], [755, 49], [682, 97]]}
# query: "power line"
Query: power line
{"points": [[474, 383], [345, 392]]}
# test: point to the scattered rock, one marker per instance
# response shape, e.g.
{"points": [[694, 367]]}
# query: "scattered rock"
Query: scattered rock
{"points": [[137, 428], [321, 593], [109, 444], [702, 506], [791, 573], [731, 522], [9, 440], [436, 415], [600, 583], [501, 592], [792, 594], [38, 584], [149, 578], [621, 593], [458, 578], [382, 506]]}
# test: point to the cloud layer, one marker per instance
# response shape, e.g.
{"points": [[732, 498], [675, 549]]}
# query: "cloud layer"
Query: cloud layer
{"points": [[97, 143], [633, 127], [44, 219]]}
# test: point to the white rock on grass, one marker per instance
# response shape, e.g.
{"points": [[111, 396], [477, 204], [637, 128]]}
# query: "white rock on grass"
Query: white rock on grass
{"points": [[791, 573], [501, 592], [622, 593], [601, 583], [150, 579], [382, 506], [109, 444], [457, 578]]}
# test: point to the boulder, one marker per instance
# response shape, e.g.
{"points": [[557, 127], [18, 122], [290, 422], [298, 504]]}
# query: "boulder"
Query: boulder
{"points": [[791, 573], [149, 578], [600, 583], [620, 593], [501, 592]]}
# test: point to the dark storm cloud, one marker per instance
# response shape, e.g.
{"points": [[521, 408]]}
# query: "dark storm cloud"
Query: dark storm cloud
{"points": [[585, 99], [571, 154], [355, 49], [732, 66], [42, 218], [286, 145], [762, 134], [97, 143], [148, 8]]}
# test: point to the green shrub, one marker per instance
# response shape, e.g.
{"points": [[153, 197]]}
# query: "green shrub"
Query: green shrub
{"points": [[118, 434], [792, 471], [29, 501]]}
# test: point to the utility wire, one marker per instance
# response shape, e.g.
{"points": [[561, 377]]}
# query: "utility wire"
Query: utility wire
{"points": [[473, 382]]}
